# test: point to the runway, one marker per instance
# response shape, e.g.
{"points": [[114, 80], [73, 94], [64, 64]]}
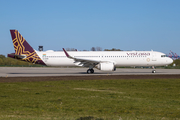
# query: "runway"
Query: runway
{"points": [[50, 71]]}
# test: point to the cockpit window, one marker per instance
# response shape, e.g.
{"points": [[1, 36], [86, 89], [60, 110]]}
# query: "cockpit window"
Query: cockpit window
{"points": [[163, 55]]}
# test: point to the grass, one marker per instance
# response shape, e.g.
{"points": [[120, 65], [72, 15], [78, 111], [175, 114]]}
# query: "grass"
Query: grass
{"points": [[149, 99]]}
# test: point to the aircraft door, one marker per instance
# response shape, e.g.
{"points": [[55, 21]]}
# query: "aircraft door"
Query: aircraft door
{"points": [[154, 56]]}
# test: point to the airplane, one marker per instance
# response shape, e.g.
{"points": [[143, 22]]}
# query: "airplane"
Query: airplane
{"points": [[102, 60]]}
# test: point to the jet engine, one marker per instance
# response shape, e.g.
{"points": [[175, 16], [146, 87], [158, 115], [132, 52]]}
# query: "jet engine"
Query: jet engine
{"points": [[106, 66]]}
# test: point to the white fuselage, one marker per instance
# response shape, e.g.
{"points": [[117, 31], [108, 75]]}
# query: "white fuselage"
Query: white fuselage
{"points": [[119, 58]]}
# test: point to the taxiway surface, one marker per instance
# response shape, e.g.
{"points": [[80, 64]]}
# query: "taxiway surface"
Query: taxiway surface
{"points": [[50, 71]]}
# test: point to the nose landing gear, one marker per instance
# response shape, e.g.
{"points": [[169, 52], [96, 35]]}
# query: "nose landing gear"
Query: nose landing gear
{"points": [[153, 71]]}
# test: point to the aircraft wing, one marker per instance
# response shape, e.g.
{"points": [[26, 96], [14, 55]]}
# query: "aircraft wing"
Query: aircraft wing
{"points": [[82, 62]]}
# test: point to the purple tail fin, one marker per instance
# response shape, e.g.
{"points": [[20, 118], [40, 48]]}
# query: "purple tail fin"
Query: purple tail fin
{"points": [[23, 49]]}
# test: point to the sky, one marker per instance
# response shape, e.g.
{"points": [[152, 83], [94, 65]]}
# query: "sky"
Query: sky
{"points": [[83, 24]]}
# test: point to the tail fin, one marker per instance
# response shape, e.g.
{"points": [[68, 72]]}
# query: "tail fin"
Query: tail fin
{"points": [[22, 48], [20, 44]]}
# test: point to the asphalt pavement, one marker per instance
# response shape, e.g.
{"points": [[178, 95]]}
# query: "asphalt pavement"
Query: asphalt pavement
{"points": [[50, 71]]}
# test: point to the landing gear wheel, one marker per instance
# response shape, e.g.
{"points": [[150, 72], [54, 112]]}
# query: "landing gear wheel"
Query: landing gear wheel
{"points": [[90, 71], [153, 71]]}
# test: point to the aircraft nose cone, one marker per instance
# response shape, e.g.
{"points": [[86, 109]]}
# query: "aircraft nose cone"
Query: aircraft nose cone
{"points": [[170, 61]]}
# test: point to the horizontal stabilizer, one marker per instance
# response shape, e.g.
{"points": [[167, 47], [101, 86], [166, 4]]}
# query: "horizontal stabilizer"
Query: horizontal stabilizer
{"points": [[12, 55]]}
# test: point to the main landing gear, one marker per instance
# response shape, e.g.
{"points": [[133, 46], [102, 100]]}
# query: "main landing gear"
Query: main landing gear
{"points": [[89, 71], [153, 71]]}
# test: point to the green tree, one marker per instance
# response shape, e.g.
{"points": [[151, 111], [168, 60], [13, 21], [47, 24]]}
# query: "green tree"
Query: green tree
{"points": [[1, 62], [177, 62], [2, 56]]}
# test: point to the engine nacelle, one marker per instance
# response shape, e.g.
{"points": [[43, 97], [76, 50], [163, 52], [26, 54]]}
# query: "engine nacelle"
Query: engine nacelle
{"points": [[106, 67]]}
